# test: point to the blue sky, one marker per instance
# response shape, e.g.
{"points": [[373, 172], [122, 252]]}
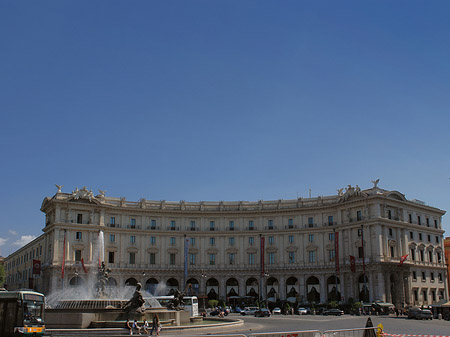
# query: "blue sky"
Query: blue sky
{"points": [[220, 100]]}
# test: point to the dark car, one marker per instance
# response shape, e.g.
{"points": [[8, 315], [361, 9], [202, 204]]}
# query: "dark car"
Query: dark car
{"points": [[424, 314], [217, 312], [263, 312], [334, 312]]}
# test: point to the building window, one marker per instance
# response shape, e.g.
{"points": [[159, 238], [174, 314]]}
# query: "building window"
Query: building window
{"points": [[390, 231], [110, 257], [433, 295], [172, 225], [270, 224], [421, 254], [211, 225], [429, 237], [251, 258], [291, 238], [78, 235], [251, 225], [212, 241], [153, 240], [152, 258], [418, 220], [360, 252], [392, 252], [271, 258], [78, 255], [331, 255], [428, 221], [79, 218], [360, 232], [212, 259], [414, 275], [358, 216], [330, 220], [310, 222], [420, 236], [153, 224], [192, 241], [291, 223], [192, 225], [132, 258], [271, 240], [251, 240], [291, 257], [112, 238], [389, 214], [311, 237], [432, 276], [112, 221], [231, 224], [439, 258], [413, 254], [132, 223], [231, 258], [231, 241], [435, 224], [132, 239], [437, 239], [172, 258], [423, 276], [440, 277], [411, 235], [430, 256], [312, 257], [192, 259], [330, 236], [172, 241], [425, 296], [416, 295], [410, 218]]}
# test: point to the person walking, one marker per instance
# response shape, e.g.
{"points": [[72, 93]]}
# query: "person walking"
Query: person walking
{"points": [[128, 326], [155, 325], [136, 326], [145, 326]]}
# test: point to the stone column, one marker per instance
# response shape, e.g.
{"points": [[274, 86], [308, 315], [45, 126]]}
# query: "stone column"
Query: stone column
{"points": [[301, 287], [381, 287], [323, 288], [282, 287], [371, 286], [387, 287]]}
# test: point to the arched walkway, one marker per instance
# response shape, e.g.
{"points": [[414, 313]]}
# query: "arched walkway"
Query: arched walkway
{"points": [[292, 289], [313, 289], [76, 281], [333, 292], [132, 282], [150, 285]]}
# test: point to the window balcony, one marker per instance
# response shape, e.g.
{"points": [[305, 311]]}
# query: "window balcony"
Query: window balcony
{"points": [[153, 228]]}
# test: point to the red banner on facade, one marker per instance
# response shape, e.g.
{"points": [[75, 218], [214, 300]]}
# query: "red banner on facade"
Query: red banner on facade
{"points": [[352, 263], [36, 267], [84, 267], [336, 251], [262, 255]]}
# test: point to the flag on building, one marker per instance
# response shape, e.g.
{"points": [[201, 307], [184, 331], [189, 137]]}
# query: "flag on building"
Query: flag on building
{"points": [[352, 263], [84, 267], [403, 259], [36, 267]]}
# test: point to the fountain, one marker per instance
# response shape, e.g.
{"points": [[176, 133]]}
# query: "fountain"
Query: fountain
{"points": [[97, 305]]}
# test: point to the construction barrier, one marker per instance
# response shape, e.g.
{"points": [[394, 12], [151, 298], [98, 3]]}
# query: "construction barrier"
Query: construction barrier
{"points": [[360, 332], [406, 335]]}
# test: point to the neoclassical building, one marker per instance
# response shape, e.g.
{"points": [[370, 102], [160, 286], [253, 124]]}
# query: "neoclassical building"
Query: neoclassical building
{"points": [[369, 245]]}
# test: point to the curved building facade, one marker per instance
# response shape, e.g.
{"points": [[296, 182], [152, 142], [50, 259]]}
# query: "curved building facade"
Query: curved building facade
{"points": [[365, 245]]}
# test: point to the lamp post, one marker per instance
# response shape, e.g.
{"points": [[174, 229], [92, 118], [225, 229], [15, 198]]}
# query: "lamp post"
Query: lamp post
{"points": [[204, 276]]}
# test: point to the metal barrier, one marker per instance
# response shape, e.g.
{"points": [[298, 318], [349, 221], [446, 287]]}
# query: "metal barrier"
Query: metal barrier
{"points": [[306, 333], [360, 332]]}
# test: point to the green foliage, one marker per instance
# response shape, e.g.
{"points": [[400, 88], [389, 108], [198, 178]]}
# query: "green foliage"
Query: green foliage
{"points": [[213, 303], [333, 304]]}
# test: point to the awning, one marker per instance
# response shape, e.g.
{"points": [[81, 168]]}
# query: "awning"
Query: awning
{"points": [[384, 304]]}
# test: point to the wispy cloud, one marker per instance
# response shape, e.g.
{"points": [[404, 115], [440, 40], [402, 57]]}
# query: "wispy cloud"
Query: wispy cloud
{"points": [[12, 232], [24, 239], [3, 241]]}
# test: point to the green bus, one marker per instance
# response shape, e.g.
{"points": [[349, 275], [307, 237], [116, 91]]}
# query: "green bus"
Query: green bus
{"points": [[21, 313]]}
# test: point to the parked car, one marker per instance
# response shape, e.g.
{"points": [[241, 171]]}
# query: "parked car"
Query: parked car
{"points": [[237, 309], [276, 311], [302, 311], [249, 311], [263, 312], [334, 312], [217, 312], [413, 312], [424, 314]]}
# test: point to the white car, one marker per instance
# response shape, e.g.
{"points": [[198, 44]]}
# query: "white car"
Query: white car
{"points": [[302, 311], [249, 311], [276, 311]]}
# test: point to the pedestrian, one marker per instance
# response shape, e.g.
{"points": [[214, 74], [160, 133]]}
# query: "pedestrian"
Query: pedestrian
{"points": [[155, 324], [145, 326], [129, 327], [136, 326]]}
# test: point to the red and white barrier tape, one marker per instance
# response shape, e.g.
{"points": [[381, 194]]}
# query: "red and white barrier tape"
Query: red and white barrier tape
{"points": [[407, 335]]}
